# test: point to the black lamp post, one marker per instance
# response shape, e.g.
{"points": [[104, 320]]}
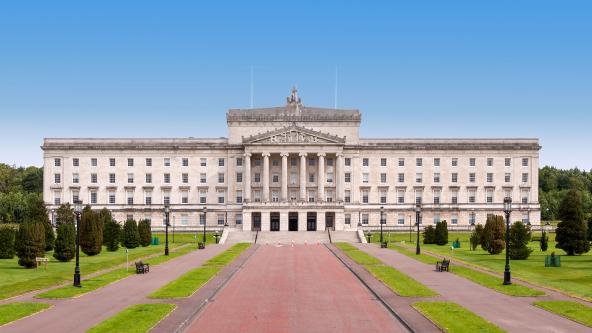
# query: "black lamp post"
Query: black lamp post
{"points": [[77, 211], [381, 223], [166, 228], [205, 212], [417, 219], [507, 211]]}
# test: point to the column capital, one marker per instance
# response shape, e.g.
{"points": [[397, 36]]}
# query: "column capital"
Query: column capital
{"points": [[340, 154], [284, 154], [266, 154], [321, 154], [302, 154], [247, 155]]}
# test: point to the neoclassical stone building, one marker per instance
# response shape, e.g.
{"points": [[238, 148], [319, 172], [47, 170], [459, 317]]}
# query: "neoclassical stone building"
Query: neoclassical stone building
{"points": [[295, 168]]}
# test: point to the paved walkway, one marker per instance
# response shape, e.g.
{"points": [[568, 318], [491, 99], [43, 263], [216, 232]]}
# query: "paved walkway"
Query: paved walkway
{"points": [[294, 289], [514, 314], [82, 313]]}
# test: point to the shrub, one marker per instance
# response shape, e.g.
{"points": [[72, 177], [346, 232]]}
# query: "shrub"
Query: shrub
{"points": [[476, 237], [492, 239], [429, 235], [49, 235], [441, 234], [65, 243], [111, 235], [30, 240], [131, 236], [7, 236], [544, 241], [145, 232], [519, 238], [65, 214], [571, 233], [91, 232]]}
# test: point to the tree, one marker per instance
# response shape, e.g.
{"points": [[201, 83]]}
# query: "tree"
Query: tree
{"points": [[492, 239], [7, 236], [131, 236], [65, 243], [590, 230], [65, 214], [429, 235], [544, 241], [145, 232], [571, 233], [91, 232], [519, 237], [441, 234], [111, 235], [476, 237], [30, 242], [49, 235]]}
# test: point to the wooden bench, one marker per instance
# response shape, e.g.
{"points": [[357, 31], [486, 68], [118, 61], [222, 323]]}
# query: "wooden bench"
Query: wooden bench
{"points": [[39, 260], [142, 268], [443, 265]]}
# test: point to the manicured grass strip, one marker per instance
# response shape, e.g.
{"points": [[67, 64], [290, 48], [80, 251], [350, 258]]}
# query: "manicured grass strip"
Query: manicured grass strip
{"points": [[572, 310], [454, 318], [187, 284], [182, 250], [484, 279], [14, 311], [227, 256], [88, 285], [358, 256], [400, 283], [138, 318]]}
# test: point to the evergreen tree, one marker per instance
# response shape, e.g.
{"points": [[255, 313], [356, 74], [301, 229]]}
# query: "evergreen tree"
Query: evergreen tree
{"points": [[544, 241], [91, 232], [30, 241], [441, 234], [144, 229], [519, 238], [571, 233], [65, 243], [476, 237], [7, 236], [429, 235], [492, 239], [590, 231], [131, 236], [65, 214], [36, 211], [111, 235], [49, 235]]}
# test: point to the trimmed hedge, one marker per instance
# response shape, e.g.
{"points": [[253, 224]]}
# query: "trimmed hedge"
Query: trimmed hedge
{"points": [[65, 244], [131, 236], [91, 232]]}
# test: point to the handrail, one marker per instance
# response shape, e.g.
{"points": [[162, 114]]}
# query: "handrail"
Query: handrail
{"points": [[329, 233], [256, 235]]}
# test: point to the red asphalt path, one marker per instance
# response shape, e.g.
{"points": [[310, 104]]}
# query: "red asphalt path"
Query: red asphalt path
{"points": [[294, 289]]}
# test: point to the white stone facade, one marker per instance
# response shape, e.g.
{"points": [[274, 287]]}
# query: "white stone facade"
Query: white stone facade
{"points": [[295, 168]]}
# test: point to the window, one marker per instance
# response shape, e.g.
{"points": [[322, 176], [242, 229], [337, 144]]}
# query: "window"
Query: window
{"points": [[365, 178], [275, 162], [93, 197], [184, 219], [525, 162], [454, 177], [148, 197], [202, 178], [437, 197], [471, 177], [347, 161], [329, 162], [311, 177], [239, 196], [130, 197], [185, 161], [239, 161], [75, 179], [508, 194], [238, 219], [524, 196], [293, 178], [167, 162], [383, 196], [57, 178], [472, 218], [365, 162], [202, 196], [418, 177], [329, 177], [454, 219], [184, 197], [257, 177], [364, 218], [401, 196], [348, 177], [294, 162], [311, 162], [167, 178], [112, 178], [490, 162], [525, 218], [507, 161], [239, 177], [347, 198], [57, 198], [130, 162], [365, 196], [490, 177], [129, 217], [93, 162], [75, 162], [220, 219], [472, 161], [148, 162], [525, 178], [508, 177], [202, 219], [57, 162], [347, 218], [471, 196], [401, 177], [293, 195], [221, 196], [203, 162], [489, 196], [454, 197], [111, 197], [93, 178], [311, 196], [401, 162], [454, 162], [221, 178], [383, 162], [436, 218], [275, 178], [418, 196], [75, 196], [220, 162], [185, 178], [112, 162], [257, 162], [436, 177], [275, 196], [436, 162], [418, 162], [130, 178], [383, 178]]}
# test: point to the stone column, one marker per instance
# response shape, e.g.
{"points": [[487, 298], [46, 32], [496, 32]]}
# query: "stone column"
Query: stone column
{"points": [[321, 177], [284, 176], [338, 177], [247, 178], [265, 177], [303, 177]]}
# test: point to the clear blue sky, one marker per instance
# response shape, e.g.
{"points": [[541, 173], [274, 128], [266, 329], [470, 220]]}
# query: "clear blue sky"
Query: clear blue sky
{"points": [[414, 68]]}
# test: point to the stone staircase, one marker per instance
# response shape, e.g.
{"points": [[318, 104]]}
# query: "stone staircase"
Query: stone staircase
{"points": [[239, 236], [287, 237], [345, 236]]}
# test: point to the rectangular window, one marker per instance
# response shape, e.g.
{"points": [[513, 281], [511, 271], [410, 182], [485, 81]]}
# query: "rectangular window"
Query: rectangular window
{"points": [[311, 196], [524, 196], [490, 177], [148, 197], [275, 196], [472, 177], [507, 161], [202, 219], [437, 197], [57, 178], [294, 162], [111, 197], [365, 178], [184, 197], [293, 195], [311, 162], [365, 162], [220, 162], [130, 197], [257, 177], [364, 218], [348, 177], [401, 196], [167, 178], [490, 162], [238, 219], [436, 162], [454, 219], [383, 162], [275, 162], [329, 177], [347, 161], [525, 178], [185, 178], [275, 178], [454, 197], [93, 178], [471, 196], [167, 162], [418, 196], [75, 179], [203, 162], [148, 178], [75, 162], [525, 218], [454, 177], [93, 197], [239, 161], [184, 219], [489, 196], [400, 219], [436, 218], [472, 161], [221, 178], [311, 177], [221, 196], [130, 178], [257, 162], [383, 196], [220, 219], [130, 162], [347, 198], [93, 162], [148, 162], [185, 162], [525, 162], [57, 162], [383, 178], [57, 198], [203, 196], [112, 178], [508, 177], [508, 194], [365, 196], [347, 218], [293, 178], [202, 178], [75, 196], [418, 162], [436, 177], [239, 196], [112, 162], [418, 177], [239, 177], [454, 162], [401, 177], [329, 162], [401, 162], [472, 218]]}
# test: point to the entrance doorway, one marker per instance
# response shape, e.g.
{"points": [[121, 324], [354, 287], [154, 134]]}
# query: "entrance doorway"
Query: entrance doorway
{"points": [[293, 221], [256, 221], [274, 219], [311, 221], [330, 221]]}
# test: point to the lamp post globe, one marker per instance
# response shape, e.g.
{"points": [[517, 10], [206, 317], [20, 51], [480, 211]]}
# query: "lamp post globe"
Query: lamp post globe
{"points": [[507, 212], [166, 228], [77, 212], [417, 220]]}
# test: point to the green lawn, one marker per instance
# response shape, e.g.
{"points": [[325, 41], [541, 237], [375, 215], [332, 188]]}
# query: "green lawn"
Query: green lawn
{"points": [[573, 277], [185, 237], [453, 318], [14, 311], [227, 256], [572, 310], [398, 282], [138, 318]]}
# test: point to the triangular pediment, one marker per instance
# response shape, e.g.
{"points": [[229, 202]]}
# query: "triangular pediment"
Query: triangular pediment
{"points": [[294, 135]]}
